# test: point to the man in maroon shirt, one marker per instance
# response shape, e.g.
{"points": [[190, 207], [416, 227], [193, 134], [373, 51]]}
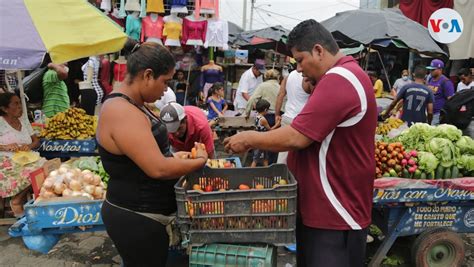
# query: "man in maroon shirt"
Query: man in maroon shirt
{"points": [[187, 125], [331, 144]]}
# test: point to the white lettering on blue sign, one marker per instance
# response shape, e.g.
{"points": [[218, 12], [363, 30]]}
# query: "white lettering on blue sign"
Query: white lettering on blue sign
{"points": [[70, 215]]}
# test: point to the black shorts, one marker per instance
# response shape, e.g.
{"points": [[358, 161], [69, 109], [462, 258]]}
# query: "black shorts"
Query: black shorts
{"points": [[335, 248]]}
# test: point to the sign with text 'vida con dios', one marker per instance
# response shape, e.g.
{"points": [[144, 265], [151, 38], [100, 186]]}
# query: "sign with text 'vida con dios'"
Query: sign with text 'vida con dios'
{"points": [[67, 146]]}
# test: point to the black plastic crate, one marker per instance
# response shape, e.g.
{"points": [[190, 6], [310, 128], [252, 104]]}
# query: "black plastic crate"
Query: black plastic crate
{"points": [[265, 215]]}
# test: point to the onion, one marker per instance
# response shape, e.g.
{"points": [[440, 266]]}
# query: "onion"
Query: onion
{"points": [[48, 184], [75, 185], [59, 188], [89, 189], [67, 192], [96, 181], [48, 194], [62, 170], [98, 192], [84, 172], [53, 173], [88, 178], [87, 195], [76, 193]]}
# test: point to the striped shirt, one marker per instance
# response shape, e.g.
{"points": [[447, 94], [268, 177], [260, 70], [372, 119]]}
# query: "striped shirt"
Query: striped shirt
{"points": [[55, 96]]}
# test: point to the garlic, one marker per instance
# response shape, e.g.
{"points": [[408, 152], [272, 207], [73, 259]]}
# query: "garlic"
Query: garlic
{"points": [[62, 170], [84, 172], [98, 192], [76, 193], [87, 195], [67, 192], [96, 180], [88, 178], [89, 189], [53, 173], [48, 184], [59, 188]]}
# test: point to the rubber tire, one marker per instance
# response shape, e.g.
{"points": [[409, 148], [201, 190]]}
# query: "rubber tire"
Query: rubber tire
{"points": [[425, 241]]}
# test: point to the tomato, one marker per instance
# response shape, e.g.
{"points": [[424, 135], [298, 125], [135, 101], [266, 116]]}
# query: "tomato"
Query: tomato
{"points": [[208, 188]]}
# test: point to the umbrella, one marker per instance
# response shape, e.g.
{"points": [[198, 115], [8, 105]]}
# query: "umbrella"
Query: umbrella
{"points": [[369, 26], [267, 38], [66, 29]]}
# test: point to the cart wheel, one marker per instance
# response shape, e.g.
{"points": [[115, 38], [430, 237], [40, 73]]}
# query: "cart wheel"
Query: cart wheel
{"points": [[438, 247]]}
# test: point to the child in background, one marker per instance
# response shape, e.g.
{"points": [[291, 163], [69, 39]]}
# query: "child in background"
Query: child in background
{"points": [[260, 157], [216, 103]]}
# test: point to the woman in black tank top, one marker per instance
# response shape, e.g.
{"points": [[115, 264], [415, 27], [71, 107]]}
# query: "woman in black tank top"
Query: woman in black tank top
{"points": [[134, 148]]}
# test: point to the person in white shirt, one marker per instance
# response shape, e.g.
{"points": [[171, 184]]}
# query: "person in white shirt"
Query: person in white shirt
{"points": [[297, 90], [249, 81], [400, 82], [466, 80], [168, 96]]}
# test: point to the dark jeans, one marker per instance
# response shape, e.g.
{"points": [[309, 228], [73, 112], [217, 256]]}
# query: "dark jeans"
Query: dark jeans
{"points": [[88, 101], [272, 156], [335, 248], [139, 240]]}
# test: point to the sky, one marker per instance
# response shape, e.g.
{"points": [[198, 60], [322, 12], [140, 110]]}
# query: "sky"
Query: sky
{"points": [[287, 13]]}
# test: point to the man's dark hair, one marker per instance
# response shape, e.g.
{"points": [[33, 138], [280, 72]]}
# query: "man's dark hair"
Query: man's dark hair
{"points": [[309, 33], [419, 72], [262, 105], [464, 72]]}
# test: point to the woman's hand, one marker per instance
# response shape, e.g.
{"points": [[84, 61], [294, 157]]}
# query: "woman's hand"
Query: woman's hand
{"points": [[11, 147], [24, 148], [182, 155]]}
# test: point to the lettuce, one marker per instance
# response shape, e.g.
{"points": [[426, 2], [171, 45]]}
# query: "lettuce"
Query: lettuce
{"points": [[466, 145], [427, 162], [444, 150], [466, 163], [447, 131], [416, 136]]}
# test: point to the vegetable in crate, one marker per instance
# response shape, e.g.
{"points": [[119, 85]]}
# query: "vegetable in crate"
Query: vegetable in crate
{"points": [[444, 150]]}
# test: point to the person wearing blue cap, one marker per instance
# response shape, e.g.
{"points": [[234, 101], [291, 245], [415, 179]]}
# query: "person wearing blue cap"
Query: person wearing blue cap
{"points": [[442, 87]]}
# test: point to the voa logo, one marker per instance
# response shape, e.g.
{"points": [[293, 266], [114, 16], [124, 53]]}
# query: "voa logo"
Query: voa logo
{"points": [[445, 25]]}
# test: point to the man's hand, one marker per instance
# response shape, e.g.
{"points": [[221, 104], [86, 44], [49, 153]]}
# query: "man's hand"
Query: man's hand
{"points": [[199, 151], [238, 143]]}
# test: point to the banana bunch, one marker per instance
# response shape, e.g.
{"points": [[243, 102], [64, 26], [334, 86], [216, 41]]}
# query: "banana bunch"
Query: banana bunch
{"points": [[388, 125], [71, 124]]}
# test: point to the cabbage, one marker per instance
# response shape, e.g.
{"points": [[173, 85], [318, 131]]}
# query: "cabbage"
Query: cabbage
{"points": [[466, 162], [427, 162], [86, 163], [447, 131], [444, 150], [466, 145]]}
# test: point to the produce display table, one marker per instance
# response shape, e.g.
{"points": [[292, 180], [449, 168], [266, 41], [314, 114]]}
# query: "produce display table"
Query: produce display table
{"points": [[67, 148], [435, 209]]}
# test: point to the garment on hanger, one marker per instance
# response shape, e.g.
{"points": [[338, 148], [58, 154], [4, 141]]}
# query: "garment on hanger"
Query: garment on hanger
{"points": [[217, 34], [172, 32], [95, 64], [207, 7], [151, 28], [120, 72], [105, 75], [133, 27], [117, 19], [155, 6], [106, 5], [194, 32], [209, 77], [178, 6]]}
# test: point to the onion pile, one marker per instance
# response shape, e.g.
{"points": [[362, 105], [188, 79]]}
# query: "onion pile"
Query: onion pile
{"points": [[72, 182]]}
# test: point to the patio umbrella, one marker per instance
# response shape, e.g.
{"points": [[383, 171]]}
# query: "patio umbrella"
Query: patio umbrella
{"points": [[370, 26], [66, 29], [274, 37]]}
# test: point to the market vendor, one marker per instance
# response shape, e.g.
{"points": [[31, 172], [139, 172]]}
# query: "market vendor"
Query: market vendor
{"points": [[186, 126], [249, 81], [134, 149], [16, 134], [331, 144]]}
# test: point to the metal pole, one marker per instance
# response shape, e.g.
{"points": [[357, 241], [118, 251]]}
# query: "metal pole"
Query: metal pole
{"points": [[244, 16], [19, 76], [251, 13]]}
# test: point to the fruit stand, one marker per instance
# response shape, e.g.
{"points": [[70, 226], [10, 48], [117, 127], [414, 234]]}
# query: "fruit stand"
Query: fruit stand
{"points": [[69, 134]]}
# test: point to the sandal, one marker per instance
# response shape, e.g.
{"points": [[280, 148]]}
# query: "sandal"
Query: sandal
{"points": [[17, 210]]}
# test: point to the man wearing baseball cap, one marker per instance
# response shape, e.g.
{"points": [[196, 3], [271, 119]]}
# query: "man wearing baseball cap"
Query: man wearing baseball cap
{"points": [[187, 125], [249, 81], [441, 86]]}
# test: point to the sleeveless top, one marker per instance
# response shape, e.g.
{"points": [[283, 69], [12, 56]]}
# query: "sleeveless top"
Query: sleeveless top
{"points": [[129, 187]]}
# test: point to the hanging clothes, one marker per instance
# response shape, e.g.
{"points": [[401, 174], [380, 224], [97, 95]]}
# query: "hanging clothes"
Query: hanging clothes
{"points": [[194, 32], [172, 32], [133, 27], [208, 78], [207, 7], [105, 75], [95, 64], [178, 6], [152, 29], [217, 34], [421, 10], [155, 6], [106, 5], [119, 74], [116, 19]]}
